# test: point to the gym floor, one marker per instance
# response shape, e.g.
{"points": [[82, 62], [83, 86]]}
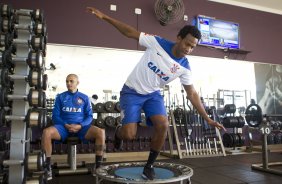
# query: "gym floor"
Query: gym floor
{"points": [[232, 169]]}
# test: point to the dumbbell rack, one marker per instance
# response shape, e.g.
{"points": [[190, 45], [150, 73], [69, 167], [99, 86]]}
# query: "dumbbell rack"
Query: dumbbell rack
{"points": [[24, 38], [107, 117], [233, 141], [265, 165], [191, 151], [273, 139]]}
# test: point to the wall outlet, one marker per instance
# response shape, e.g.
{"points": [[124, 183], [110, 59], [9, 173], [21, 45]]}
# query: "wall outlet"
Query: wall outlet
{"points": [[185, 17], [138, 11], [113, 7]]}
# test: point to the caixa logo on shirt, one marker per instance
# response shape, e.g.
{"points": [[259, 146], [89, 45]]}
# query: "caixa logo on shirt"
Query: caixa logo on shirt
{"points": [[71, 109], [157, 71]]}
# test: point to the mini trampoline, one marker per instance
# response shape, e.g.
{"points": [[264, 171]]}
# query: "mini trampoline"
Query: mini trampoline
{"points": [[132, 173]]}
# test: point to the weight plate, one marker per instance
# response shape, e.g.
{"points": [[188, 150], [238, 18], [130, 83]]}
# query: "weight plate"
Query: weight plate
{"points": [[253, 115]]}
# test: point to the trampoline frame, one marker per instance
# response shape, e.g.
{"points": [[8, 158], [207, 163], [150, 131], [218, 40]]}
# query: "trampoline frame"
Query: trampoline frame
{"points": [[103, 173]]}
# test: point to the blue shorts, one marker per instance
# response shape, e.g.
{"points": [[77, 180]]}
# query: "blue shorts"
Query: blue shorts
{"points": [[131, 104], [64, 132]]}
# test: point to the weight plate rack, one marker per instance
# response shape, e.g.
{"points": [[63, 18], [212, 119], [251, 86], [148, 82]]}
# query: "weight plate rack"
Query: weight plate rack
{"points": [[23, 83]]}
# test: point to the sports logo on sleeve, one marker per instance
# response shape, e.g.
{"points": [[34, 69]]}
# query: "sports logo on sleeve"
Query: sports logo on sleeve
{"points": [[174, 68], [79, 101]]}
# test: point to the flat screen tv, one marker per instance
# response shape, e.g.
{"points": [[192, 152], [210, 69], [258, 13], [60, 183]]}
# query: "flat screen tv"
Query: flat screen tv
{"points": [[218, 33]]}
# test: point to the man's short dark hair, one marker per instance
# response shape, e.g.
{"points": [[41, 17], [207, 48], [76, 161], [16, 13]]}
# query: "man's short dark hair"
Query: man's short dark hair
{"points": [[194, 31]]}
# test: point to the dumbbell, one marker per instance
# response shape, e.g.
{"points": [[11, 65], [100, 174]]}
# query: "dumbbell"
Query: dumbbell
{"points": [[10, 26], [62, 148], [241, 139], [109, 106], [139, 139], [3, 121], [117, 106], [32, 162], [118, 120], [210, 110], [34, 78], [133, 144], [82, 149], [6, 24], [34, 41], [37, 28], [6, 10], [33, 118], [178, 115], [230, 122], [275, 125], [4, 177], [39, 180], [230, 108], [99, 122], [45, 82], [108, 142], [5, 59], [35, 162], [280, 125], [278, 138], [89, 149], [271, 138], [146, 141], [36, 14], [4, 40], [228, 140], [110, 122], [34, 59], [241, 122], [99, 107], [35, 98]]}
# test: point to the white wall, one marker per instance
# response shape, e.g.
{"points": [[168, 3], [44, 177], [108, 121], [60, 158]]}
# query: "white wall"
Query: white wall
{"points": [[104, 68]]}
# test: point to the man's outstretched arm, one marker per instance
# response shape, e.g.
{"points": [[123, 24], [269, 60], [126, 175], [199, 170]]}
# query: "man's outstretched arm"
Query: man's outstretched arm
{"points": [[196, 102], [125, 29]]}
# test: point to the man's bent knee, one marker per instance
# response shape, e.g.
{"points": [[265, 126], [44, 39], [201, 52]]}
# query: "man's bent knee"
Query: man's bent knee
{"points": [[47, 132], [101, 133], [128, 134], [50, 133]]}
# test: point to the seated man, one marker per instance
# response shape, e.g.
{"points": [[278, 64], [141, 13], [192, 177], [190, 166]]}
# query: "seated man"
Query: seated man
{"points": [[72, 116]]}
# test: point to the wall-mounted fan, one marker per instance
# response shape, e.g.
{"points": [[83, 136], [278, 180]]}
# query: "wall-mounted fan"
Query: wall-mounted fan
{"points": [[169, 11]]}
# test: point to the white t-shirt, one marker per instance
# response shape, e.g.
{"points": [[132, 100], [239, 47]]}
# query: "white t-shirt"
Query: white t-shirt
{"points": [[158, 66]]}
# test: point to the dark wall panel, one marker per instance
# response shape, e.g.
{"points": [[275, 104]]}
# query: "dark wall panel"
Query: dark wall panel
{"points": [[68, 23]]}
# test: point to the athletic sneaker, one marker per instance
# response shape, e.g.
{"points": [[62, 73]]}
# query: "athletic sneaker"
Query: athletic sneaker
{"points": [[149, 173], [117, 141], [48, 173]]}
